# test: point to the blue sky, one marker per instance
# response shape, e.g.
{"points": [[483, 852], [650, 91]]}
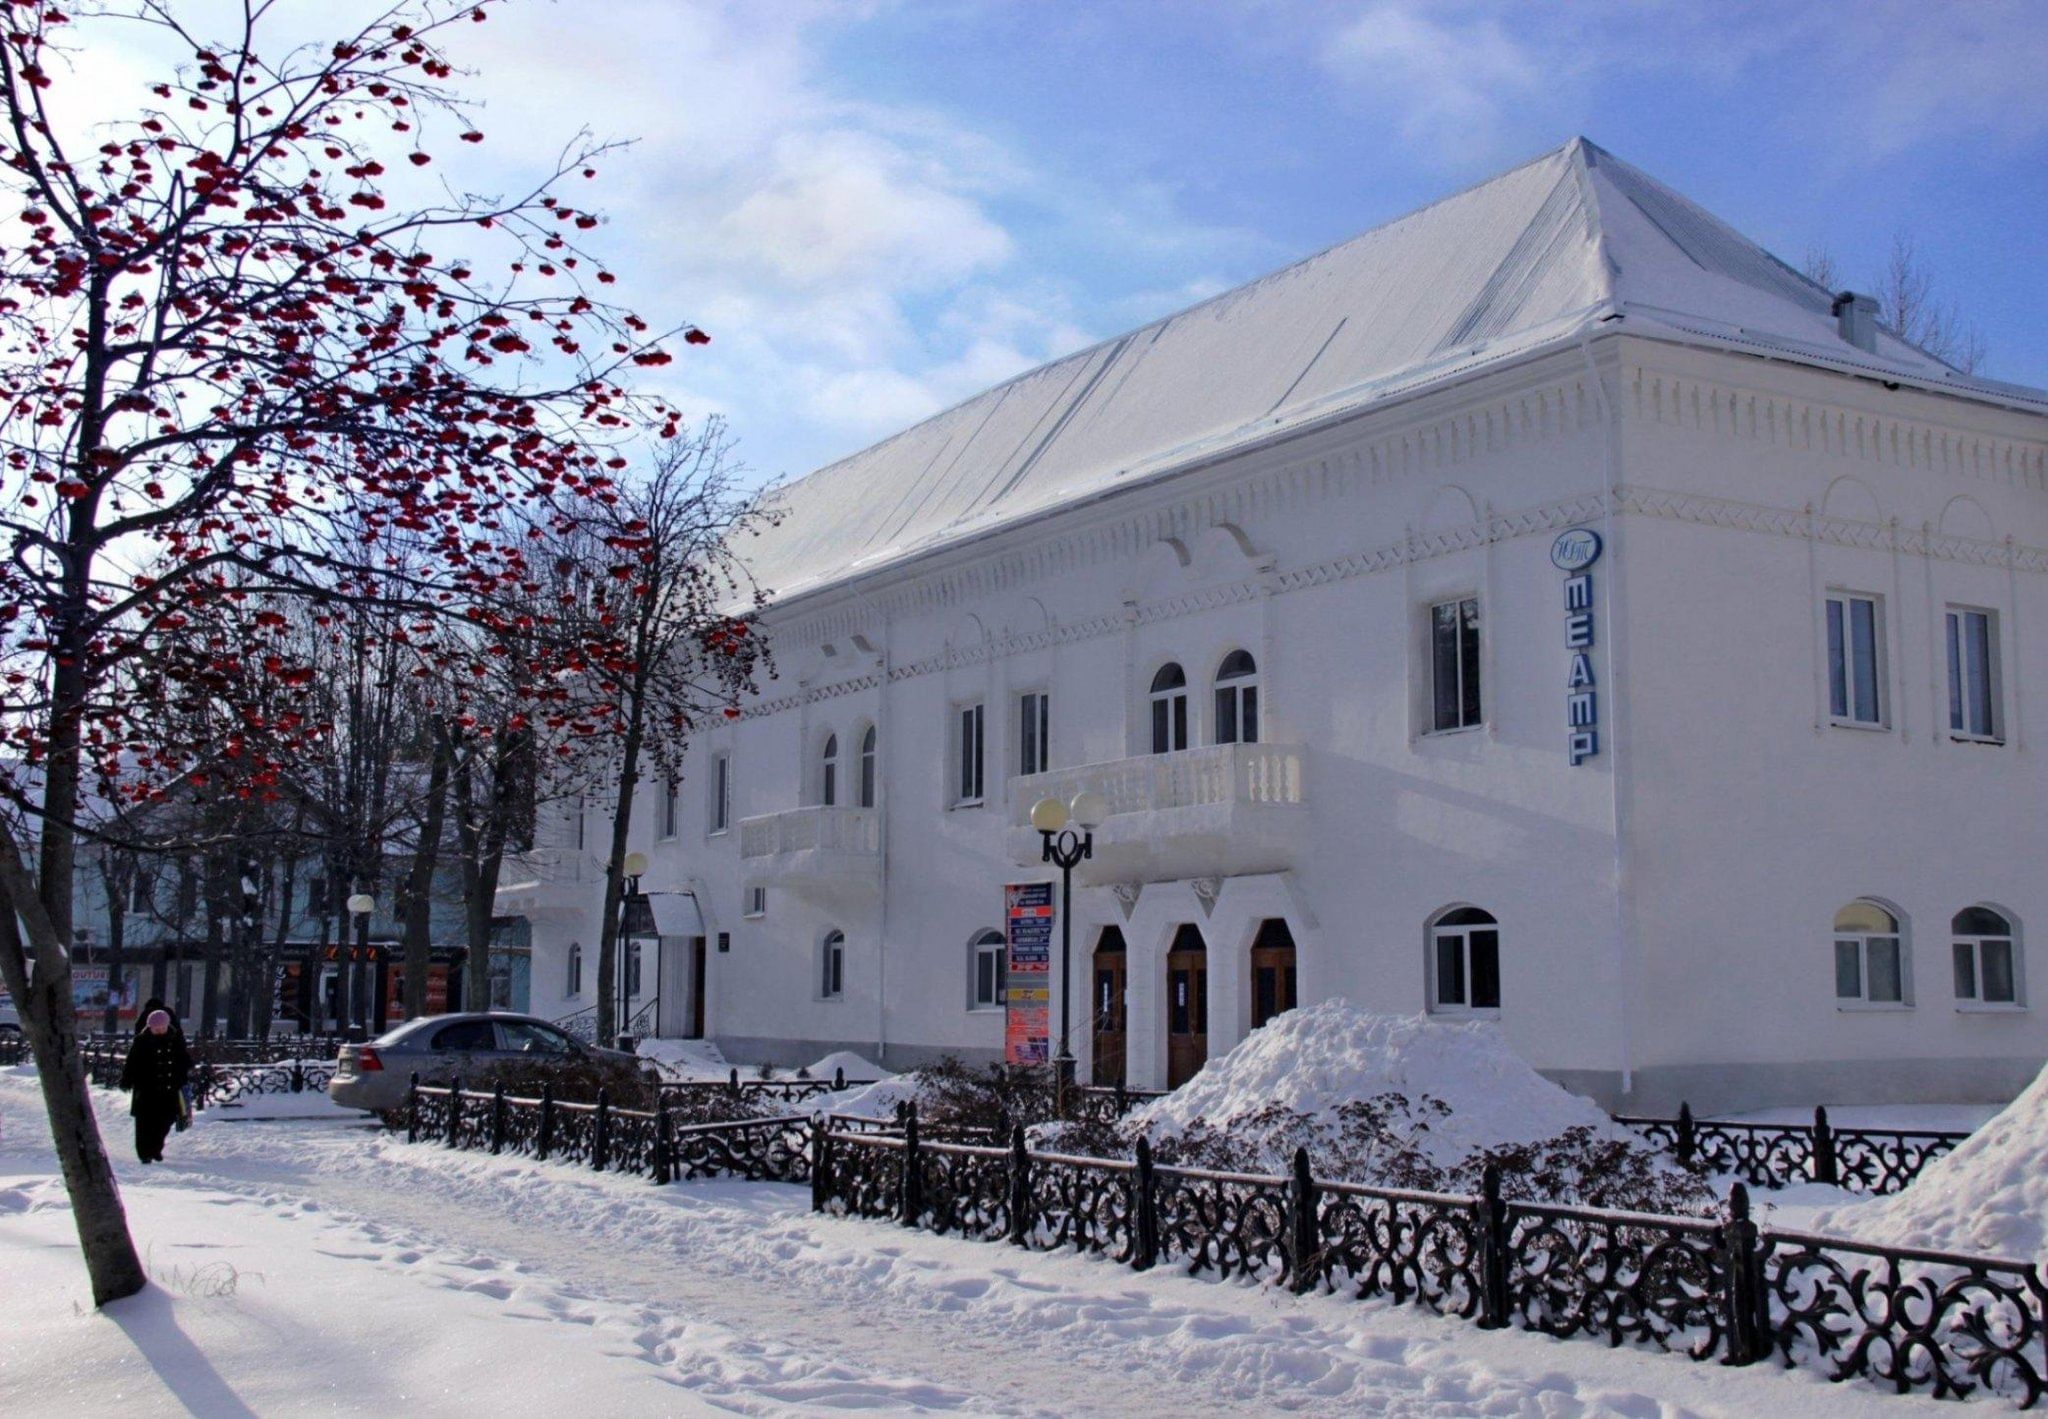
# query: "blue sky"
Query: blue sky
{"points": [[878, 207]]}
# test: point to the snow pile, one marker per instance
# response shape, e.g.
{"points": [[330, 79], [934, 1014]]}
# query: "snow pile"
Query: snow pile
{"points": [[877, 1100], [1988, 1198], [686, 1059], [855, 1066], [1313, 1061]]}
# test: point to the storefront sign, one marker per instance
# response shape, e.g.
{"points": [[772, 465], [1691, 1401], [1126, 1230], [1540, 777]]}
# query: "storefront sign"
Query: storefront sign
{"points": [[1028, 918], [1574, 553]]}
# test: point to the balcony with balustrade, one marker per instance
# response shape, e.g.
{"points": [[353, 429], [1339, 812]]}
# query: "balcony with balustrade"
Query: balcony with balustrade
{"points": [[815, 850], [549, 882], [1222, 810]]}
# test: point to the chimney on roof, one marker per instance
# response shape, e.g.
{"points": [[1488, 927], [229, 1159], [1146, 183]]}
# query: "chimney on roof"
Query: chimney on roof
{"points": [[1856, 318]]}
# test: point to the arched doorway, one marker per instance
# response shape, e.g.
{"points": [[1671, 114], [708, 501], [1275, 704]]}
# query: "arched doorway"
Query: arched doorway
{"points": [[1187, 1005], [1272, 971], [1110, 981]]}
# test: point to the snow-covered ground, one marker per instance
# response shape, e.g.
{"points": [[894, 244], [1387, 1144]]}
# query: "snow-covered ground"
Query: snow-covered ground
{"points": [[375, 1276]]}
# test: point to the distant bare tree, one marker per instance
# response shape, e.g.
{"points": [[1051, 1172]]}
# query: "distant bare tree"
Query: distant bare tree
{"points": [[1908, 303]]}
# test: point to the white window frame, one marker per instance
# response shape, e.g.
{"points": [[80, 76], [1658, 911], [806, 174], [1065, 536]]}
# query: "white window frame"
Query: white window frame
{"points": [[832, 965], [635, 978], [1034, 732], [757, 901], [1973, 666], [870, 779], [1241, 694], [969, 743], [719, 800], [828, 772], [1974, 943], [983, 944], [574, 972], [1861, 942], [1840, 655], [1179, 714], [1443, 932], [1465, 665], [671, 806]]}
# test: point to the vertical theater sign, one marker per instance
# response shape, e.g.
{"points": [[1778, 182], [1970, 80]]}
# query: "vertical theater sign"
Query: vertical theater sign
{"points": [[1574, 553]]}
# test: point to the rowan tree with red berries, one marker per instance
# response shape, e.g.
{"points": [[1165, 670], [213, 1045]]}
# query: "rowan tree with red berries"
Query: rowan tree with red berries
{"points": [[244, 348]]}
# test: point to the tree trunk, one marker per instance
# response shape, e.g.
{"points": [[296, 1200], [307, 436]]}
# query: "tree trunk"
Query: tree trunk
{"points": [[419, 945], [615, 867], [51, 1023]]}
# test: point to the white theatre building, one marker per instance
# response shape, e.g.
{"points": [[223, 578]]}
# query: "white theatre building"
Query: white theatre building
{"points": [[1746, 809]]}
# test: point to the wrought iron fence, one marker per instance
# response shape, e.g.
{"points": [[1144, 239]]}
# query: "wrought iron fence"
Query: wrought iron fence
{"points": [[1869, 1160], [1707, 1288], [792, 1090], [607, 1139], [278, 1049]]}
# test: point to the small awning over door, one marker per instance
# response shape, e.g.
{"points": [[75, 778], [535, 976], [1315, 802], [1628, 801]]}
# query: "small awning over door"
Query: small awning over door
{"points": [[675, 914]]}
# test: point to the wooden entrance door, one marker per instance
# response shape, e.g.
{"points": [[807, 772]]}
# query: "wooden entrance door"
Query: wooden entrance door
{"points": [[1187, 1005], [1108, 1006], [1272, 971], [696, 987]]}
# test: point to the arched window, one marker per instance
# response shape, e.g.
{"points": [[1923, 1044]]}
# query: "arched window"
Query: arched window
{"points": [[828, 771], [1464, 961], [1237, 699], [1870, 963], [1169, 709], [1987, 967], [990, 963], [832, 965], [867, 768], [575, 981]]}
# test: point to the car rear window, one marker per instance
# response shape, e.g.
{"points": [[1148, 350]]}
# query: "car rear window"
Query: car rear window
{"points": [[466, 1034]]}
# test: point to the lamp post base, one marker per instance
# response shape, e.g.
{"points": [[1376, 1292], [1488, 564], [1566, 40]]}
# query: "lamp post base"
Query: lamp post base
{"points": [[1062, 1083]]}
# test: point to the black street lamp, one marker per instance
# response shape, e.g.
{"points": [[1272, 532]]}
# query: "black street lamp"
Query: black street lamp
{"points": [[359, 906], [1066, 848]]}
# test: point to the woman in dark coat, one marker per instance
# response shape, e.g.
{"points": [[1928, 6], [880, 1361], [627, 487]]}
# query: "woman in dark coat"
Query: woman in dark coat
{"points": [[155, 1075]]}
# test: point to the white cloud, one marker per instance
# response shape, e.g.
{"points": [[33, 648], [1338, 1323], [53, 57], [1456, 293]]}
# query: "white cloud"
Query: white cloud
{"points": [[1444, 80]]}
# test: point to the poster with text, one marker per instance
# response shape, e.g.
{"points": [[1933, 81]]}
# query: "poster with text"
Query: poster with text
{"points": [[1027, 921]]}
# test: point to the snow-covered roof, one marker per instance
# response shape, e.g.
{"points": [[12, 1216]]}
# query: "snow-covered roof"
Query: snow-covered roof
{"points": [[1520, 263]]}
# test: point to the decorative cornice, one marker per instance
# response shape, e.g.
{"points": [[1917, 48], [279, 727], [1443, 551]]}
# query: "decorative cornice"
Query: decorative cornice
{"points": [[1663, 396]]}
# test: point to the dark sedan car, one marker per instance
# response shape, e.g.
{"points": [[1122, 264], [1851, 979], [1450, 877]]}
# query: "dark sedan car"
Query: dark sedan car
{"points": [[439, 1048]]}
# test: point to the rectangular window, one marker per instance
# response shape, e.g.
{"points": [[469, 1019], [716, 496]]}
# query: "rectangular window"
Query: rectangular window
{"points": [[140, 898], [1034, 723], [1870, 968], [1450, 970], [1972, 674], [671, 800], [1485, 970], [991, 972], [721, 793], [724, 942], [1454, 664], [757, 901], [968, 786], [1855, 677]]}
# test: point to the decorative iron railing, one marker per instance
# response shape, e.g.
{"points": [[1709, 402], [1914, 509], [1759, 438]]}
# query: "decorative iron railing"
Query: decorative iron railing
{"points": [[1868, 1160], [1707, 1288], [791, 1090], [1871, 1160], [606, 1139]]}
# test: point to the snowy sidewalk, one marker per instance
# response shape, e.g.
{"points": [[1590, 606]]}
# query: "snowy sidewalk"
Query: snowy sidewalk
{"points": [[380, 1277]]}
